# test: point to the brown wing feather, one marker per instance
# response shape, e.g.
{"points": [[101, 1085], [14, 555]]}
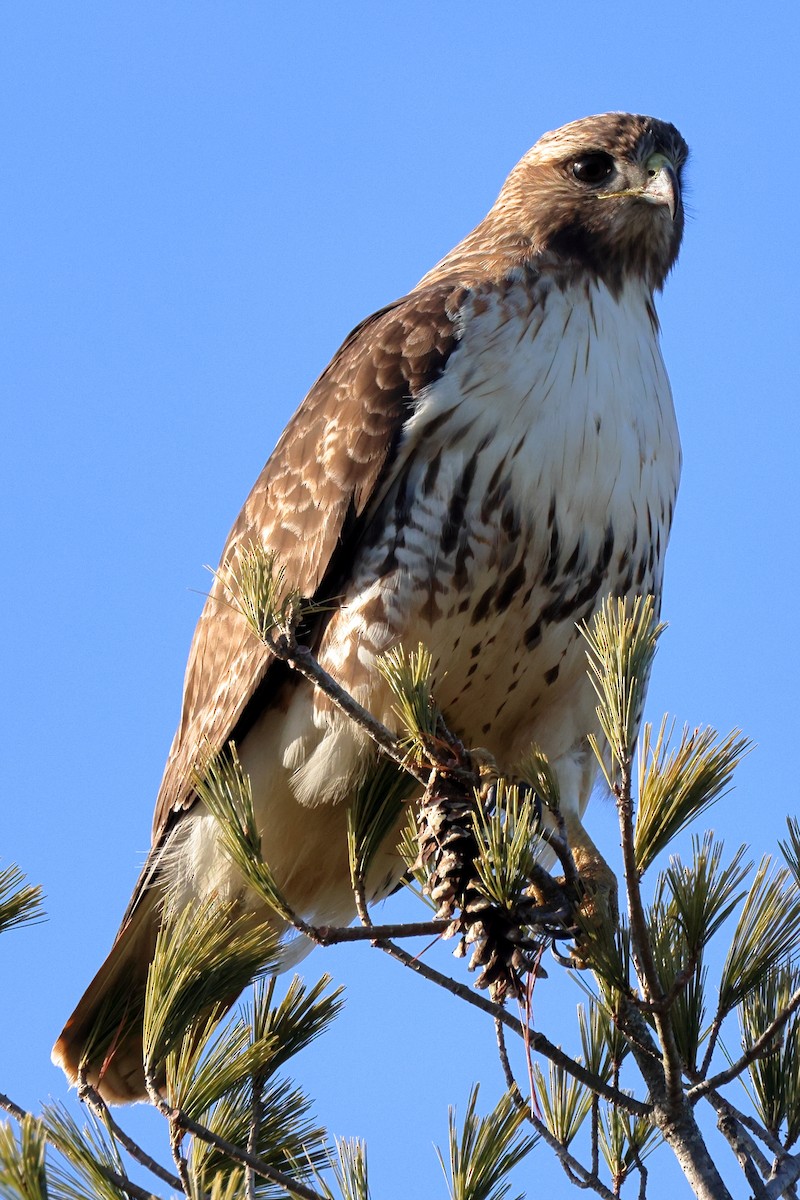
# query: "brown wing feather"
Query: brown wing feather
{"points": [[306, 506]]}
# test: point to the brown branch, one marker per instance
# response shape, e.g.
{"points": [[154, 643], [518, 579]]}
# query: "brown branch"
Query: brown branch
{"points": [[502, 1051], [714, 1032], [90, 1096], [642, 1169], [120, 1181], [329, 935], [595, 1133], [770, 1141], [574, 1170], [760, 1046], [668, 998], [676, 1123], [746, 1132]]}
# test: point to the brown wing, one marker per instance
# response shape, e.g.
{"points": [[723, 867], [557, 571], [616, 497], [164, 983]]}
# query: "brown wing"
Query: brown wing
{"points": [[306, 506]]}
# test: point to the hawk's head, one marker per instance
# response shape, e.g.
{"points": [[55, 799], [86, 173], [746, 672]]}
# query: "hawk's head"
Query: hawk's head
{"points": [[605, 192], [602, 194]]}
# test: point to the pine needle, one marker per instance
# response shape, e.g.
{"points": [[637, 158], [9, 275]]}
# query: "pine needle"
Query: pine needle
{"points": [[256, 583], [224, 788], [622, 641], [409, 676], [263, 1037], [766, 933], [373, 813], [623, 1139], [22, 1162], [676, 784], [508, 842], [536, 770], [86, 1150], [607, 951], [204, 955], [700, 897], [283, 1029], [790, 849], [288, 1139], [775, 1076], [209, 1061], [564, 1102], [20, 903], [485, 1151], [603, 1045], [420, 871], [351, 1169], [681, 975]]}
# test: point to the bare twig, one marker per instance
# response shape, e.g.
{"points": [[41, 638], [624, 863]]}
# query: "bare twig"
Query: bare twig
{"points": [[667, 999], [772, 1143], [747, 1153], [714, 1032], [642, 1169], [256, 1113], [502, 1051], [574, 1170], [176, 1135]]}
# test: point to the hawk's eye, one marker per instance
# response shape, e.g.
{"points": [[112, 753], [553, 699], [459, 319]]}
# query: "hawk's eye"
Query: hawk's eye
{"points": [[593, 168]]}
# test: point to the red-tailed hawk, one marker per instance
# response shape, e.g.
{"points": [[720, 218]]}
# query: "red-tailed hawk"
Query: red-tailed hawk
{"points": [[480, 465]]}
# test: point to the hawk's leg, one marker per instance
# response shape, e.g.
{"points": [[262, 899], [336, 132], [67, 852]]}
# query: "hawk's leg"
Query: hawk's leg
{"points": [[598, 904]]}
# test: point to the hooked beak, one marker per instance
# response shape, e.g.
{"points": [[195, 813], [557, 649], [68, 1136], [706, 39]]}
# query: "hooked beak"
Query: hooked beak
{"points": [[662, 186]]}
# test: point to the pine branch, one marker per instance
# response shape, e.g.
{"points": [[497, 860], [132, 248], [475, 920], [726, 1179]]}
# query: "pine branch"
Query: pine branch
{"points": [[332, 935], [20, 903], [541, 1044], [486, 1150], [582, 1177], [183, 1124], [742, 1149], [113, 1177], [88, 1095], [761, 1045]]}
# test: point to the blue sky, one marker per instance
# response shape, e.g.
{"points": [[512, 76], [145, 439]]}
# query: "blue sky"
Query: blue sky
{"points": [[199, 201]]}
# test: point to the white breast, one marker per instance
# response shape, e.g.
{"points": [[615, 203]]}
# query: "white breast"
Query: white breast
{"points": [[550, 440]]}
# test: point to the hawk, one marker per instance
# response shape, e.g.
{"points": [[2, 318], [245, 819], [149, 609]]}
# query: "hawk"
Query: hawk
{"points": [[481, 464]]}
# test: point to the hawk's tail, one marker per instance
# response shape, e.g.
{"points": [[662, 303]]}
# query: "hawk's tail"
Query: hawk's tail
{"points": [[104, 1033]]}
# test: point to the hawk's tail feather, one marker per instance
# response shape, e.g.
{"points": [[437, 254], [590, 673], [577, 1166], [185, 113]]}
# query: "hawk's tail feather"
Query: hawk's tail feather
{"points": [[104, 1033]]}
